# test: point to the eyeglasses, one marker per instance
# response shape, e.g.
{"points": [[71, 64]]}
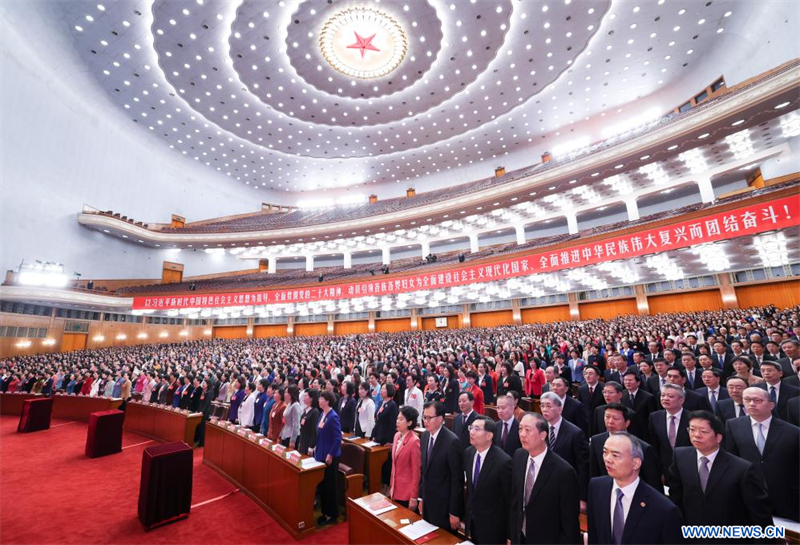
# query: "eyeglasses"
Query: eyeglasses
{"points": [[756, 400], [429, 418], [475, 428]]}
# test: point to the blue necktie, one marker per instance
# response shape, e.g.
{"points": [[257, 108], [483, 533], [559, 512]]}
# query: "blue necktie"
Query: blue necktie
{"points": [[772, 395], [619, 518], [477, 470]]}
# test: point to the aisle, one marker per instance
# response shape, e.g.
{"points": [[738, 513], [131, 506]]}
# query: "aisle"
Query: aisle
{"points": [[50, 492]]}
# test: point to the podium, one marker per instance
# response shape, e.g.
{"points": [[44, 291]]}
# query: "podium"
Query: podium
{"points": [[104, 435], [165, 492], [35, 415]]}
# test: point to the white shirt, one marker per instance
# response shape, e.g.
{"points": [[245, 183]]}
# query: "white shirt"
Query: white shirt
{"points": [[482, 454], [677, 416], [715, 392], [627, 498], [632, 393], [777, 387], [710, 457], [764, 428], [738, 409], [556, 427], [247, 410], [414, 398]]}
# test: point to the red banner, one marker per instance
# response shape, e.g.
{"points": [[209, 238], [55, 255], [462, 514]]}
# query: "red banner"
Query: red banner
{"points": [[748, 220]]}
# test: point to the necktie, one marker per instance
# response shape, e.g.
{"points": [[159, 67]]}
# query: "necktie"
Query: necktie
{"points": [[430, 450], [713, 400], [619, 518], [721, 360], [528, 488], [633, 399], [703, 472], [591, 391], [773, 395], [760, 439], [672, 433], [552, 440], [741, 410], [505, 434], [477, 471]]}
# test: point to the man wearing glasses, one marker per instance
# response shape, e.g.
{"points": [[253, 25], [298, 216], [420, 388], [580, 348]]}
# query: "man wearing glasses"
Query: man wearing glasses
{"points": [[488, 470], [441, 487]]}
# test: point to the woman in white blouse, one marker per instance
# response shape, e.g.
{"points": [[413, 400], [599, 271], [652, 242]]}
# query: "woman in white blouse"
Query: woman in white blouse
{"points": [[291, 417], [365, 411], [247, 409]]}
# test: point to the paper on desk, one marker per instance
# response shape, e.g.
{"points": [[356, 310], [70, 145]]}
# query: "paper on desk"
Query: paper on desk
{"points": [[309, 463], [369, 444], [418, 529], [404, 521], [467, 542], [352, 438]]}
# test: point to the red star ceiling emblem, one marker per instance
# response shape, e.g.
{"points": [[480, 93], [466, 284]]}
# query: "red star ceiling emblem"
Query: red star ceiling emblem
{"points": [[363, 44]]}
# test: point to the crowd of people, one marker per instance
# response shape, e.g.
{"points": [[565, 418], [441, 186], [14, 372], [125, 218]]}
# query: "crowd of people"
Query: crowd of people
{"points": [[705, 404]]}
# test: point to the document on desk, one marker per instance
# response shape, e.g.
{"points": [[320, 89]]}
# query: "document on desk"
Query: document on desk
{"points": [[378, 504], [418, 529], [369, 444]]}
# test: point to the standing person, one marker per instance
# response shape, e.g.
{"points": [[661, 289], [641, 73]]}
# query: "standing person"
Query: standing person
{"points": [[267, 409], [545, 499], [441, 488], [247, 409], [668, 427], [261, 400], [365, 412], [486, 384], [204, 407], [507, 437], [451, 389], [732, 407], [713, 487], [386, 421], [567, 440], [237, 397], [328, 451], [779, 393], [465, 418], [406, 460], [640, 514], [413, 397], [276, 415], [308, 422], [346, 407], [290, 430], [488, 471]]}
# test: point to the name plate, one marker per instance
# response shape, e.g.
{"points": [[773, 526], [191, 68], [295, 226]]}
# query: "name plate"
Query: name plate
{"points": [[241, 432], [280, 449], [294, 457]]}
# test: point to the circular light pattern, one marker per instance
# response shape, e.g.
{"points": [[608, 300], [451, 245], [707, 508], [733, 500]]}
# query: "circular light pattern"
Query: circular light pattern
{"points": [[380, 44]]}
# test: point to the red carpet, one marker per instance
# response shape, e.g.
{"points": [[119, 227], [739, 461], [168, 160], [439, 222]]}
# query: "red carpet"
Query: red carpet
{"points": [[51, 493]]}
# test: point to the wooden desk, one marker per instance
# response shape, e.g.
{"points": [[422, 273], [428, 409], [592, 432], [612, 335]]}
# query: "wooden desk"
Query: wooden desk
{"points": [[161, 423], [491, 412], [530, 404], [376, 456], [364, 528], [11, 403], [282, 488], [450, 421], [71, 407]]}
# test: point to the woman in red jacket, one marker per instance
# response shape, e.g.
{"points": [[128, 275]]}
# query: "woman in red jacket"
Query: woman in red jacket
{"points": [[534, 379], [406, 460], [276, 416]]}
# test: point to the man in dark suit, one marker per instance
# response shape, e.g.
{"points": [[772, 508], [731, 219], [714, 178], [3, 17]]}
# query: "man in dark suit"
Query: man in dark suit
{"points": [[641, 402], [694, 378], [713, 487], [595, 358], [790, 347], [794, 378], [488, 470], [572, 410], [779, 393], [441, 484], [773, 447], [545, 503], [758, 354], [618, 419], [590, 394], [692, 400], [561, 368], [566, 440], [733, 406], [507, 437], [722, 358], [653, 352], [467, 416], [793, 408], [668, 427], [712, 390], [612, 393], [659, 377], [651, 517]]}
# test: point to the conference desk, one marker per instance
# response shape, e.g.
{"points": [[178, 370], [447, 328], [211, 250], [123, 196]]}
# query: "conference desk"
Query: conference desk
{"points": [[72, 407], [160, 422], [365, 528], [11, 403], [282, 487], [530, 404], [376, 456]]}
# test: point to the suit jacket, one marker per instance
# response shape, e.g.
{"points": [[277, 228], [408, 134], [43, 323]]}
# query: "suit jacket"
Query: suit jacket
{"points": [[487, 387], [643, 404], [573, 411], [698, 379], [792, 380], [488, 507], [385, 423], [793, 410], [512, 440], [722, 393], [652, 517], [308, 430], [406, 465], [162, 394], [735, 493], [659, 437], [726, 410], [461, 428], [553, 509], [591, 402], [441, 483], [778, 464], [650, 471], [571, 444], [786, 365], [693, 401], [726, 365], [346, 407], [654, 385], [329, 436], [194, 401], [785, 393], [598, 423]]}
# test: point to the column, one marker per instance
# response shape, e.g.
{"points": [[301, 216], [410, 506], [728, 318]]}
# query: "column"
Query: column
{"points": [[574, 308], [642, 304], [426, 248], [309, 263], [348, 260], [474, 247], [464, 318], [371, 326], [516, 312], [290, 326], [728, 291], [272, 264], [331, 325], [572, 223], [520, 229], [633, 209], [387, 255], [416, 321], [706, 190], [251, 322]]}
